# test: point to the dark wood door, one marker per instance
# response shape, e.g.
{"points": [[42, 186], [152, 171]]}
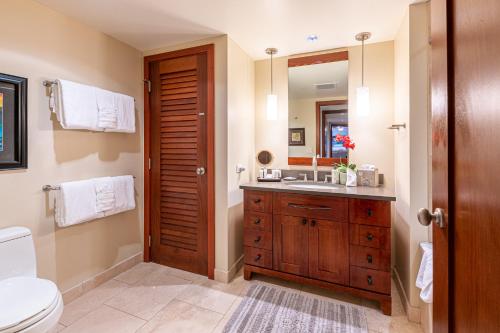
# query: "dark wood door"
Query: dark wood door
{"points": [[466, 156], [291, 244], [329, 251], [179, 148]]}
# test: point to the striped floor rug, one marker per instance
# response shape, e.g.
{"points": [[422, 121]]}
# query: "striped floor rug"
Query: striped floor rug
{"points": [[271, 310]]}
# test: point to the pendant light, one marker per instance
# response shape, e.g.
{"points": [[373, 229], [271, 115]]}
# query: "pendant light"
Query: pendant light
{"points": [[272, 99], [363, 92]]}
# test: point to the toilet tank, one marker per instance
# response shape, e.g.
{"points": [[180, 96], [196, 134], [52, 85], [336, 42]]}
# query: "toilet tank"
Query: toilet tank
{"points": [[17, 253]]}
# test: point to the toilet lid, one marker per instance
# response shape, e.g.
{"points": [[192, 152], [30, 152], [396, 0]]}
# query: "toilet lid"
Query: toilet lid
{"points": [[24, 297]]}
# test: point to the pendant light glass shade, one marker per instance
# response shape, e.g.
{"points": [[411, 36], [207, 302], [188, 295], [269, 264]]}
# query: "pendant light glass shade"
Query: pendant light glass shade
{"points": [[272, 107], [363, 93], [363, 101], [272, 98]]}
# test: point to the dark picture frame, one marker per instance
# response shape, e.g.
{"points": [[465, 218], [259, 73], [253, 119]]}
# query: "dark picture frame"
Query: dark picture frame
{"points": [[13, 122], [296, 136]]}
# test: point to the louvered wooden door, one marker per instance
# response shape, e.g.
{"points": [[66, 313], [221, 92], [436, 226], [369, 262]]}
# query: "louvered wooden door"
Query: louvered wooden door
{"points": [[179, 161]]}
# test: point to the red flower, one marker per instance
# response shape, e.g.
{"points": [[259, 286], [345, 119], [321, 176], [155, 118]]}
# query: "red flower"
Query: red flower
{"points": [[339, 138]]}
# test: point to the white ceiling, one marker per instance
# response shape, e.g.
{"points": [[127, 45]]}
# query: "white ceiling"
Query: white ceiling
{"points": [[253, 24], [302, 80]]}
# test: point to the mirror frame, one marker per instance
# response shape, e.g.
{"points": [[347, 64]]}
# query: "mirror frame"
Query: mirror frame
{"points": [[313, 60]]}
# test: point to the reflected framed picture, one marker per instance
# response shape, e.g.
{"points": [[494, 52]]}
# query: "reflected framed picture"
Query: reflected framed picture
{"points": [[296, 136], [13, 122]]}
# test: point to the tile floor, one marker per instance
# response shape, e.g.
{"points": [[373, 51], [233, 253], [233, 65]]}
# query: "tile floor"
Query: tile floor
{"points": [[155, 298]]}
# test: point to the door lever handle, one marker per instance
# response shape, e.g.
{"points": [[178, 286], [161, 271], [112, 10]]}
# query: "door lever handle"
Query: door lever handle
{"points": [[425, 217]]}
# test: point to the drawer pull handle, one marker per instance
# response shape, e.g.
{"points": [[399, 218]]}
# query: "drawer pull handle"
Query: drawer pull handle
{"points": [[257, 239], [257, 258], [369, 212], [257, 221], [304, 221], [369, 258], [369, 279], [313, 223], [257, 201], [369, 237], [291, 205]]}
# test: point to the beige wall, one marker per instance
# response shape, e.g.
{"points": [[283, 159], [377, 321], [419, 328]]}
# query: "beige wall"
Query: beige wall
{"points": [[375, 144], [39, 43], [240, 142], [221, 234], [412, 152]]}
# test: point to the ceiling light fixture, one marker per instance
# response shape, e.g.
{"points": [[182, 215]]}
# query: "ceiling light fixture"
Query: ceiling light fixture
{"points": [[312, 38], [363, 93], [272, 99]]}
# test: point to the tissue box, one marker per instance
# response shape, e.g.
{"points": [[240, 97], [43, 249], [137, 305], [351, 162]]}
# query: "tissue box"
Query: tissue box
{"points": [[368, 177]]}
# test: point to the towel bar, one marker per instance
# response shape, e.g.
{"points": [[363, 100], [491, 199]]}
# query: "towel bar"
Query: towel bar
{"points": [[48, 188], [49, 84]]}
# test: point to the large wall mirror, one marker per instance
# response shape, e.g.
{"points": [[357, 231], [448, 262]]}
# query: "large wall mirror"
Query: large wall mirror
{"points": [[317, 108]]}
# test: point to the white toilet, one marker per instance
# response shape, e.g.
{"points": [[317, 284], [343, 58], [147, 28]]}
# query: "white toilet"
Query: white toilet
{"points": [[27, 303]]}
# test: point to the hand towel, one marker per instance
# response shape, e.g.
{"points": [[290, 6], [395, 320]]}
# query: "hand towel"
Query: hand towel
{"points": [[76, 106], [425, 273], [76, 203], [107, 109], [105, 194], [125, 112], [124, 194]]}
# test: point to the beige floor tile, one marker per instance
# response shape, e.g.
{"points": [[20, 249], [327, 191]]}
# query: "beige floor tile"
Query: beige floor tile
{"points": [[57, 329], [148, 296], [105, 319], [138, 272], [181, 317], [90, 301], [222, 323], [185, 274], [213, 295]]}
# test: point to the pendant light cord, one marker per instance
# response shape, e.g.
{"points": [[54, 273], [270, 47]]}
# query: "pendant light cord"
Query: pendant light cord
{"points": [[362, 63], [271, 73]]}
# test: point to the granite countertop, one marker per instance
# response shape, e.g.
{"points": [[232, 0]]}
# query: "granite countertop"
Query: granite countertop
{"points": [[359, 192]]}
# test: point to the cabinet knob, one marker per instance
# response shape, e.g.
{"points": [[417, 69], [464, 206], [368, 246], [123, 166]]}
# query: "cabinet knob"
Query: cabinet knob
{"points": [[257, 201], [369, 279], [257, 239], [369, 258], [304, 221], [313, 223], [257, 258], [369, 237], [257, 221], [369, 212]]}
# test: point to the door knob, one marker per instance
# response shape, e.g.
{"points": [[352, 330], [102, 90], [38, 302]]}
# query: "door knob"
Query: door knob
{"points": [[200, 171], [425, 217]]}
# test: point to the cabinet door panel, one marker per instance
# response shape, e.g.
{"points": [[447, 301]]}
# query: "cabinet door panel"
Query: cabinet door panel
{"points": [[290, 244], [329, 251]]}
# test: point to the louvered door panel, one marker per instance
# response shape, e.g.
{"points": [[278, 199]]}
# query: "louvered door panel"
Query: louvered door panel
{"points": [[180, 235]]}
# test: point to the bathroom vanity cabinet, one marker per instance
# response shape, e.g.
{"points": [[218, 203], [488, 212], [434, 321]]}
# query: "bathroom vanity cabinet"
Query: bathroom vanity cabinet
{"points": [[336, 242]]}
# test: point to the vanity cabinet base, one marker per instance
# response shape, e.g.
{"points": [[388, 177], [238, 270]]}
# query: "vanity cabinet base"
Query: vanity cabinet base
{"points": [[384, 300]]}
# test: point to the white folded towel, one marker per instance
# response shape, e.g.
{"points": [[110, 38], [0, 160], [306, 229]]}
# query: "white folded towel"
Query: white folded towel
{"points": [[124, 194], [425, 273], [105, 194], [76, 105], [125, 114], [107, 109], [76, 203]]}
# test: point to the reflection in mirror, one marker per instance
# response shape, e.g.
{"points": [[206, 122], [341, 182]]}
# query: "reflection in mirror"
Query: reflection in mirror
{"points": [[317, 105]]}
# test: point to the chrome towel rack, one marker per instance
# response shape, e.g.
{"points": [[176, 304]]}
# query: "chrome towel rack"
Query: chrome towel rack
{"points": [[48, 188], [48, 83]]}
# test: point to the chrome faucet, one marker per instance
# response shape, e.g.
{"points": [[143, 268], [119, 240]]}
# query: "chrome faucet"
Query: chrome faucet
{"points": [[315, 168], [304, 175]]}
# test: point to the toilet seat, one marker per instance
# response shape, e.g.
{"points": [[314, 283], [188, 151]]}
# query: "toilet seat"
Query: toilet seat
{"points": [[26, 301]]}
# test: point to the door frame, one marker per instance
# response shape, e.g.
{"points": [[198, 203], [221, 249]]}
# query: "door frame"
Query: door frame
{"points": [[210, 167]]}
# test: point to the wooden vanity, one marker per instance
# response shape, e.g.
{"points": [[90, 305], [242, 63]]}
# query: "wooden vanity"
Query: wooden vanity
{"points": [[335, 240]]}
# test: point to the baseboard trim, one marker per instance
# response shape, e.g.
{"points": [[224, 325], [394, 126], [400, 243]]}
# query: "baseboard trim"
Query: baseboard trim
{"points": [[412, 312], [98, 279], [226, 276]]}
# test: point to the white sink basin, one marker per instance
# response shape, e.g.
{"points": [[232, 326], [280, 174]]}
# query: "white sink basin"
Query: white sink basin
{"points": [[325, 186]]}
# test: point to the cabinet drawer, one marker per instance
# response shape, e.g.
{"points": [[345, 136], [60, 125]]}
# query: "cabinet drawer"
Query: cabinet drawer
{"points": [[258, 201], [371, 212], [369, 257], [258, 257], [258, 221], [328, 208], [259, 239], [370, 236], [370, 279]]}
